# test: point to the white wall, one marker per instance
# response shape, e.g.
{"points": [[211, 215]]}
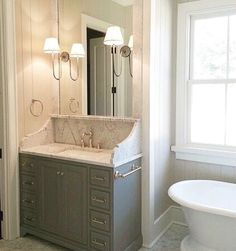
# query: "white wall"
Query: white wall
{"points": [[157, 129], [163, 109], [35, 20]]}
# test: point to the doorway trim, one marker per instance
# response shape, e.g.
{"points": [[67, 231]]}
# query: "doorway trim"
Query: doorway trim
{"points": [[96, 24], [9, 179]]}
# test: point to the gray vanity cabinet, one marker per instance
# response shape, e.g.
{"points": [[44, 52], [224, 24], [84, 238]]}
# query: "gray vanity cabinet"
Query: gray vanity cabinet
{"points": [[50, 202], [75, 203], [80, 206], [63, 202]]}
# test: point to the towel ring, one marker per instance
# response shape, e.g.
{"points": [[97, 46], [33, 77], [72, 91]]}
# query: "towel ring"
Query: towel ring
{"points": [[32, 106], [76, 109]]}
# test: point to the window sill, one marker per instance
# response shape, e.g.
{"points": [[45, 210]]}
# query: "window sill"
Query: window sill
{"points": [[205, 155]]}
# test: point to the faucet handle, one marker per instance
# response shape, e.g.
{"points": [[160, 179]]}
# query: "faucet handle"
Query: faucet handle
{"points": [[82, 143]]}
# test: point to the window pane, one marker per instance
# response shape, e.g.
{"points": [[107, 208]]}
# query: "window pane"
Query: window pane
{"points": [[208, 114], [232, 47], [210, 48], [231, 115]]}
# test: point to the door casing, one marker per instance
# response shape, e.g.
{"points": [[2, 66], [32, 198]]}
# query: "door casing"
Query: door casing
{"points": [[9, 131]]}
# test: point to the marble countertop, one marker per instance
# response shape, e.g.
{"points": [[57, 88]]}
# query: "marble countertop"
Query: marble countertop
{"points": [[101, 157]]}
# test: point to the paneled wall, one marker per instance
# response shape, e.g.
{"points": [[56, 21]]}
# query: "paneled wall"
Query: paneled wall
{"points": [[35, 20], [163, 174]]}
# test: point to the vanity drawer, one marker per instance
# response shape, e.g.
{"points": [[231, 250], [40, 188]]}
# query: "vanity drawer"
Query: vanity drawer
{"points": [[28, 183], [28, 218], [100, 241], [100, 178], [28, 200], [27, 165], [100, 220], [100, 199]]}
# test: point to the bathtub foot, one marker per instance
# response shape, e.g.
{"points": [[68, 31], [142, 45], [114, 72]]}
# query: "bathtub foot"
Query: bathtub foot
{"points": [[189, 244]]}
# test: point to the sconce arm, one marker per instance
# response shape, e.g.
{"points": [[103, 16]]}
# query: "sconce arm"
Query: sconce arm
{"points": [[77, 69], [130, 70], [113, 52], [59, 66]]}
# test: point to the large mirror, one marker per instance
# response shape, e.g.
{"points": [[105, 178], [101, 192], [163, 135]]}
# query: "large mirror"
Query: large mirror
{"points": [[104, 86]]}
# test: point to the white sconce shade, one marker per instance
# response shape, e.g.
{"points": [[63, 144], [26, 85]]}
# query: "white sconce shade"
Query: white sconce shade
{"points": [[51, 45], [77, 50], [131, 42], [114, 36]]}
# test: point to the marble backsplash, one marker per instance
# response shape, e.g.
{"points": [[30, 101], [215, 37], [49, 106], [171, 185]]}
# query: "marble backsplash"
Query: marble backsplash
{"points": [[43, 136], [107, 132], [118, 138]]}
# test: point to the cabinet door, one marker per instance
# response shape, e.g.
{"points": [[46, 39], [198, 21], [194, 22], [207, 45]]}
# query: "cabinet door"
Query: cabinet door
{"points": [[50, 181], [75, 205]]}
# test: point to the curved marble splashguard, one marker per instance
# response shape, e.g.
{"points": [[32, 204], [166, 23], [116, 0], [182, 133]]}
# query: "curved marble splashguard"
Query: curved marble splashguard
{"points": [[60, 137]]}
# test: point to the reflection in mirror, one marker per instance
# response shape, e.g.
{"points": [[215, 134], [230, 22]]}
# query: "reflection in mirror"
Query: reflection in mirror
{"points": [[92, 93]]}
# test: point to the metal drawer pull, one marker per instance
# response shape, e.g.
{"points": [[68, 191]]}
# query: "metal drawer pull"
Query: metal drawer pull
{"points": [[99, 200], [29, 201], [98, 178], [134, 169], [101, 222], [101, 244], [30, 183], [29, 219]]}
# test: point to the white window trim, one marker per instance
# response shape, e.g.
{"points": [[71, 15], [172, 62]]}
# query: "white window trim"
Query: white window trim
{"points": [[184, 150]]}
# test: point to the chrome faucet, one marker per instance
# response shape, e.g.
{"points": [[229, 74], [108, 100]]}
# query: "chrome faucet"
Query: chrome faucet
{"points": [[90, 134]]}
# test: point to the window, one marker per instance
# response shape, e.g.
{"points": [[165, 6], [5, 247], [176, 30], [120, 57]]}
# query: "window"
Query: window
{"points": [[206, 82], [212, 80]]}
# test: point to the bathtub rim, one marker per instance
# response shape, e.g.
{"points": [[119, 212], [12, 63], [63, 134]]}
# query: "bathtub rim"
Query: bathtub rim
{"points": [[199, 206]]}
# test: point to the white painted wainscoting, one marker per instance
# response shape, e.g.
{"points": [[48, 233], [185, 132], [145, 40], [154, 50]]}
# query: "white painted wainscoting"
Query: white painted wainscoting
{"points": [[187, 170]]}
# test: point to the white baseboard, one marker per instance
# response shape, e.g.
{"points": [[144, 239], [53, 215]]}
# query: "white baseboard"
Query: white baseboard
{"points": [[177, 215], [173, 215]]}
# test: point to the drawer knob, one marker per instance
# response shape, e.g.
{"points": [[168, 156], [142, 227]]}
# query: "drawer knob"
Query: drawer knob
{"points": [[30, 183], [103, 201], [31, 165], [99, 243], [29, 218], [98, 178], [58, 173], [28, 201], [97, 221]]}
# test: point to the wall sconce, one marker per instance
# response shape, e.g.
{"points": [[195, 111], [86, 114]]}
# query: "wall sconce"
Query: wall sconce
{"points": [[51, 46], [114, 39], [131, 42]]}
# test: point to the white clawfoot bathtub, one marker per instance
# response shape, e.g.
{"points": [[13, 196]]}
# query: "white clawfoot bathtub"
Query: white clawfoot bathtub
{"points": [[210, 211]]}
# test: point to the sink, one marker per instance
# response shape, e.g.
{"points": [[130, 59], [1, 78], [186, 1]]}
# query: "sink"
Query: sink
{"points": [[50, 148], [86, 149]]}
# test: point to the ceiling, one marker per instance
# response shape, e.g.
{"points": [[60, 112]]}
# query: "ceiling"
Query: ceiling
{"points": [[124, 2]]}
